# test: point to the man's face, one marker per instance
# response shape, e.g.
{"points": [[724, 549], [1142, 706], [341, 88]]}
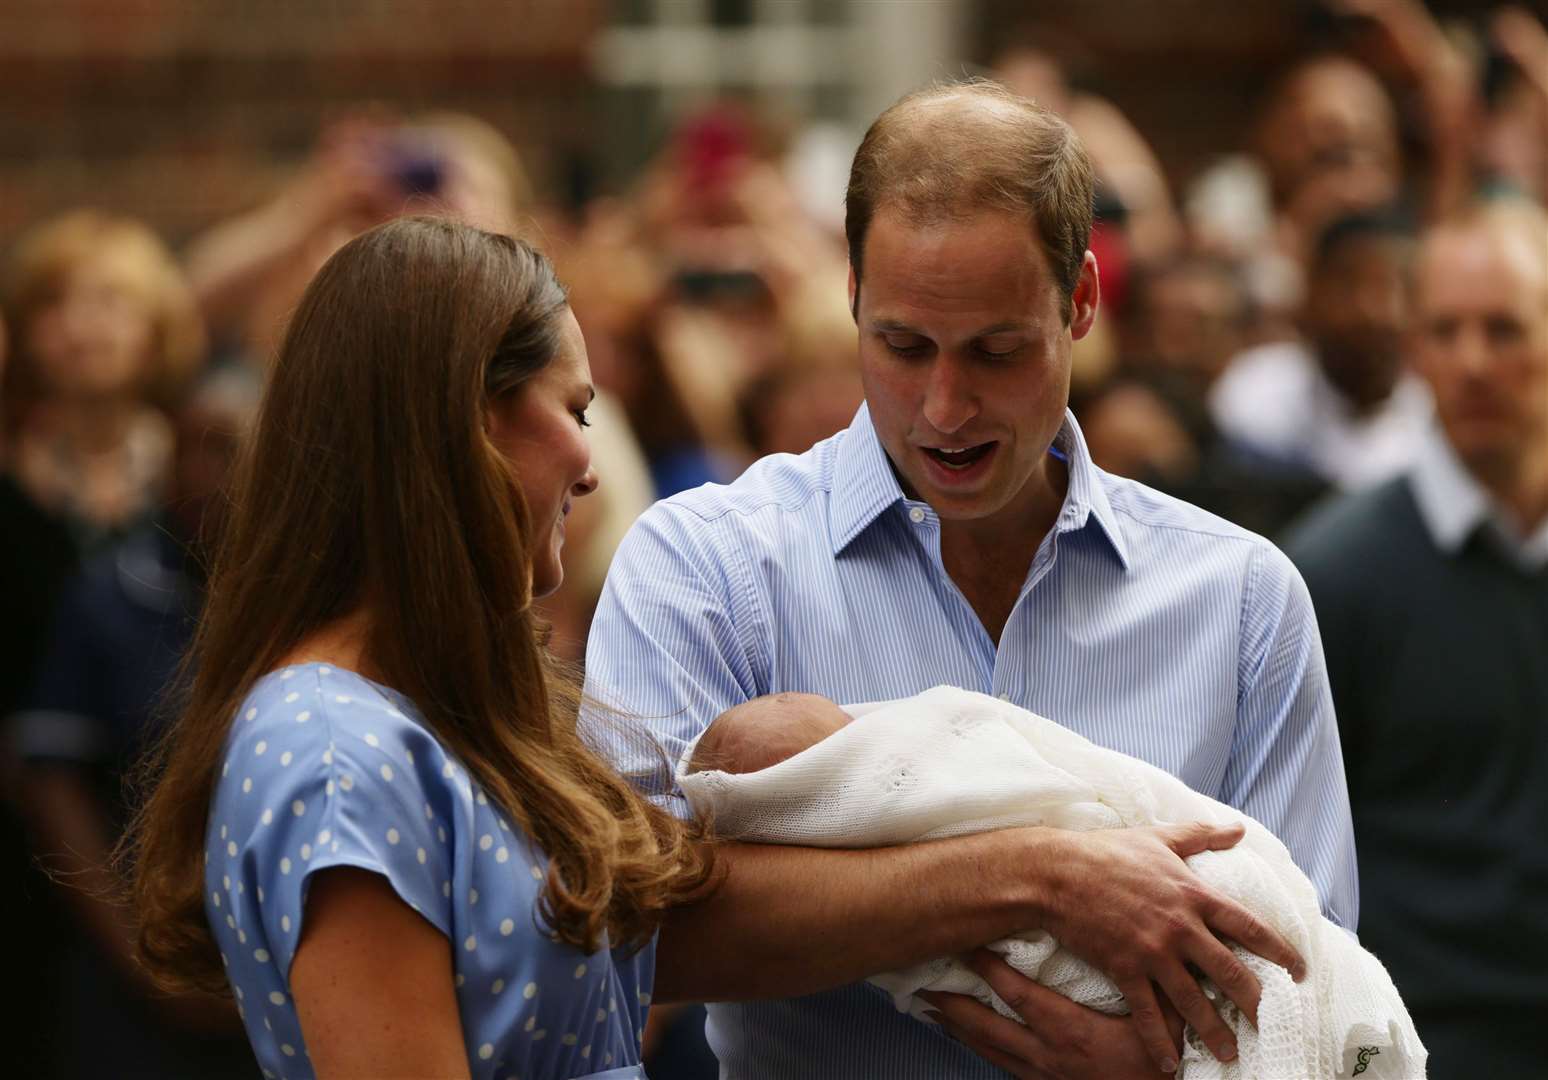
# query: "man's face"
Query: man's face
{"points": [[965, 358], [1193, 326], [1356, 313], [1483, 342]]}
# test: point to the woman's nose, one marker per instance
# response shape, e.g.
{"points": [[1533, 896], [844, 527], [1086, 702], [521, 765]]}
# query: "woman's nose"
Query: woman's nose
{"points": [[587, 483]]}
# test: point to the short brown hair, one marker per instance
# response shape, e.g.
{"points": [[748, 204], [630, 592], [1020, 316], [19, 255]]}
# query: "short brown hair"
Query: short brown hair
{"points": [[958, 148], [39, 270]]}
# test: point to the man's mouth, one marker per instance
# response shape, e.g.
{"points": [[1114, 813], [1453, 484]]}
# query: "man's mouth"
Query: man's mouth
{"points": [[958, 458]]}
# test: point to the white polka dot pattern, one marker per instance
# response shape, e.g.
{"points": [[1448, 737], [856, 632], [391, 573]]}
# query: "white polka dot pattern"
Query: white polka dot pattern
{"points": [[350, 777]]}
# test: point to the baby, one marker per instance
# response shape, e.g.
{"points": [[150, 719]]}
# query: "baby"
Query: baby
{"points": [[761, 733], [797, 769]]}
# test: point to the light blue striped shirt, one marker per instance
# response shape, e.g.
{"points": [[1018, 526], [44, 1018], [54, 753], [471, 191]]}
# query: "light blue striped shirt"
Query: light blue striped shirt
{"points": [[1145, 624]]}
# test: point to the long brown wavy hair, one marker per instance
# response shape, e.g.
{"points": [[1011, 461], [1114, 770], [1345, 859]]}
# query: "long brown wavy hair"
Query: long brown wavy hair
{"points": [[370, 482]]}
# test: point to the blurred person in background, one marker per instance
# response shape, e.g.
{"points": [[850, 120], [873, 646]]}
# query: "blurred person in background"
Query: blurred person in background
{"points": [[1187, 319], [121, 628], [1513, 143], [1330, 141], [1341, 402], [102, 329], [1129, 174], [248, 272], [696, 286], [1188, 315], [1431, 592], [814, 391], [790, 410]]}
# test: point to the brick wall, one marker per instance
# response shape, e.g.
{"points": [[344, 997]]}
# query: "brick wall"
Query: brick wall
{"points": [[182, 111]]}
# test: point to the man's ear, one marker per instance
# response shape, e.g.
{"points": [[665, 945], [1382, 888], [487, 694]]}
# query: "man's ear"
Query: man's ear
{"points": [[854, 294], [1088, 294]]}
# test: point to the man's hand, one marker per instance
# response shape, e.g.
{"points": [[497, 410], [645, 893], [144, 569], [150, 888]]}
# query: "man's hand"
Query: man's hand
{"points": [[1124, 901], [1060, 1039]]}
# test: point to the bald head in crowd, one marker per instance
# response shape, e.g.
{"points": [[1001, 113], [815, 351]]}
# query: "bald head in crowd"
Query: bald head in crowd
{"points": [[1481, 292]]}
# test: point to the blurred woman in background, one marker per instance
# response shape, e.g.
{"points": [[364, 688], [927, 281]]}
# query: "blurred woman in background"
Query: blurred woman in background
{"points": [[103, 330]]}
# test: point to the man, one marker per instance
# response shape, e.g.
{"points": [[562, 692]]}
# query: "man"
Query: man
{"points": [[957, 533], [1340, 405], [1432, 593]]}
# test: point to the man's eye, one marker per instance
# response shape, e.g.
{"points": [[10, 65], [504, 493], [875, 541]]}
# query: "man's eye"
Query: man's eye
{"points": [[1503, 331], [580, 417], [908, 346]]}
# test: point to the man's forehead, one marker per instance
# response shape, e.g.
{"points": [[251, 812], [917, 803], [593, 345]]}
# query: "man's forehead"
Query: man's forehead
{"points": [[1454, 255]]}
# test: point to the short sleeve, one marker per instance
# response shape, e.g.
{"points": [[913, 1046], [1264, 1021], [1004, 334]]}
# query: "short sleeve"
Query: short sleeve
{"points": [[62, 720], [326, 779]]}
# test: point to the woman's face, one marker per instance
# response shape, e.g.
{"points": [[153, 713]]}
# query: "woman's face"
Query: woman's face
{"points": [[538, 427], [94, 341]]}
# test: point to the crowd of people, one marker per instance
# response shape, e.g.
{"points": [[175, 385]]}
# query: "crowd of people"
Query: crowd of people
{"points": [[1336, 338]]}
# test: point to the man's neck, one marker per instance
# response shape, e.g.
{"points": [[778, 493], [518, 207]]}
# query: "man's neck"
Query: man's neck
{"points": [[989, 559], [1521, 491]]}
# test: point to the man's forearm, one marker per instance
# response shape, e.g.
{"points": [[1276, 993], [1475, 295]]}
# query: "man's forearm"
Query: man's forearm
{"points": [[786, 921]]}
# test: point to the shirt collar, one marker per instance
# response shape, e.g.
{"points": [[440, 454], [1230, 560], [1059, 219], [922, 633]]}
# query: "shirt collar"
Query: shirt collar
{"points": [[1087, 495], [863, 482], [1454, 505], [864, 485]]}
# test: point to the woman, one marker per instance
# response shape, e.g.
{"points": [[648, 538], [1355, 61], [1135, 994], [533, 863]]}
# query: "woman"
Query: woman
{"points": [[375, 818], [103, 329]]}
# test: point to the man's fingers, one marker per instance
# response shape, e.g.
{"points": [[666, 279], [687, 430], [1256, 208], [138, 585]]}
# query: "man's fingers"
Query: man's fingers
{"points": [[1186, 994], [1216, 960], [1145, 1010], [1030, 1000], [983, 1030], [1200, 836], [1019, 1069], [1230, 920]]}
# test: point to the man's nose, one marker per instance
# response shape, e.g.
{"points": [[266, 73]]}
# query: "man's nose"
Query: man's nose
{"points": [[1470, 353], [950, 399]]}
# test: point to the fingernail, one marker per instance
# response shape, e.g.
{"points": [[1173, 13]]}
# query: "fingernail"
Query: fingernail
{"points": [[1226, 1052], [1168, 1066]]}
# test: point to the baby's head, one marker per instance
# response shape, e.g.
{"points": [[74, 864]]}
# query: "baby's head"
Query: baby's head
{"points": [[765, 731]]}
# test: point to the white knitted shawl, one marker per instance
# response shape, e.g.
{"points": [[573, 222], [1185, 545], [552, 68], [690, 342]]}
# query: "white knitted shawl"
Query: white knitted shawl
{"points": [[950, 762]]}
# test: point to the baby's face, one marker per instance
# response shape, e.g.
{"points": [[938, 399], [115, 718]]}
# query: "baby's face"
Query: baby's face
{"points": [[765, 731]]}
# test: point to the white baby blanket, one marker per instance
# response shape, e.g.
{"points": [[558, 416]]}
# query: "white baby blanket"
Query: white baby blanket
{"points": [[950, 762]]}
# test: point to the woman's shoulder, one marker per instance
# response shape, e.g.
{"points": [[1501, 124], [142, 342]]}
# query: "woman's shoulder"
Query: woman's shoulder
{"points": [[337, 725], [324, 701]]}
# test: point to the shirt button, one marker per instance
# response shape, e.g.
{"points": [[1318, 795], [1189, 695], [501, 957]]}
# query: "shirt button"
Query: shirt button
{"points": [[1004, 697], [916, 515]]}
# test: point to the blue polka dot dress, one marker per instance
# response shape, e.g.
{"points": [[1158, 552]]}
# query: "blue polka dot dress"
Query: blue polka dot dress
{"points": [[325, 768]]}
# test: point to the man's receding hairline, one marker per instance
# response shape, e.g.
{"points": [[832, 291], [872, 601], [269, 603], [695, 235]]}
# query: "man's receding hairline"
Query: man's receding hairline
{"points": [[1509, 221]]}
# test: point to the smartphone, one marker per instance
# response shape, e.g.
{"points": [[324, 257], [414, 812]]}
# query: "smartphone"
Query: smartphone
{"points": [[417, 169]]}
